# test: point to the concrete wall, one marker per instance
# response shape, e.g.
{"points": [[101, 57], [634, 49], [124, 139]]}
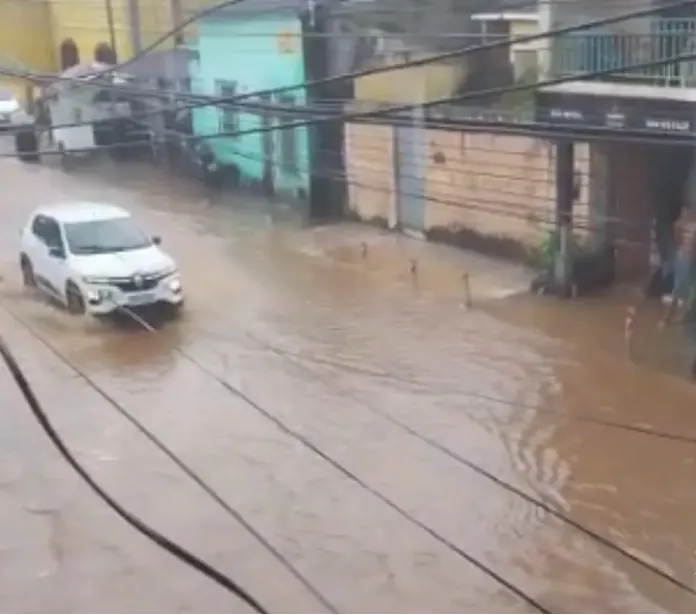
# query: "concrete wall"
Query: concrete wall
{"points": [[494, 187]]}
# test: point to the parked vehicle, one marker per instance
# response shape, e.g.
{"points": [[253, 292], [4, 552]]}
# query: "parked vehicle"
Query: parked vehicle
{"points": [[84, 116], [12, 113], [94, 258]]}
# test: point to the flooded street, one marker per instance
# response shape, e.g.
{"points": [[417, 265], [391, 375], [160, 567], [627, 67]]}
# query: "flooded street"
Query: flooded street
{"points": [[400, 452]]}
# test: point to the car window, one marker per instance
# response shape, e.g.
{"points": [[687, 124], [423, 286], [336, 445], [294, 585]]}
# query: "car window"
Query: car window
{"points": [[38, 227], [105, 236], [52, 233]]}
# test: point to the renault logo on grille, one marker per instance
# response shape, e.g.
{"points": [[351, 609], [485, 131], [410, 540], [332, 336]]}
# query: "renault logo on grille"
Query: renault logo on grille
{"points": [[138, 280]]}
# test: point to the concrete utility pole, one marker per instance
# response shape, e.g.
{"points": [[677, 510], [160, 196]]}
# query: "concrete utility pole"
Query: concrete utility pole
{"points": [[134, 25], [177, 18], [109, 8]]}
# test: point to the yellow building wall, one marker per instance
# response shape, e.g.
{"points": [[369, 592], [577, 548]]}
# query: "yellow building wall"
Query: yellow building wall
{"points": [[411, 85], [155, 20], [25, 39], [86, 22]]}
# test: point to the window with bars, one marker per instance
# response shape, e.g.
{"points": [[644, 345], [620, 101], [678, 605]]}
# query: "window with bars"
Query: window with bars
{"points": [[288, 144], [228, 117]]}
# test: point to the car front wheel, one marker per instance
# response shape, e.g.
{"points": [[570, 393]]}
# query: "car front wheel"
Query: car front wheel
{"points": [[74, 300], [27, 272]]}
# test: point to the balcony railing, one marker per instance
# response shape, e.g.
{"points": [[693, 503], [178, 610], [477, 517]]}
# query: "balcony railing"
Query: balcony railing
{"points": [[598, 51]]}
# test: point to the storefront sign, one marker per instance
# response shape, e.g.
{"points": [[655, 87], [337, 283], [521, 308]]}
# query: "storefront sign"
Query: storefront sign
{"points": [[587, 111], [286, 42]]}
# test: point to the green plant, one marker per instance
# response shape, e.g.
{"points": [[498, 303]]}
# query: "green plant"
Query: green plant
{"points": [[545, 253]]}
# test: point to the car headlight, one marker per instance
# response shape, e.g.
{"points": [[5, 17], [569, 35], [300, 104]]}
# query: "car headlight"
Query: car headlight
{"points": [[99, 295]]}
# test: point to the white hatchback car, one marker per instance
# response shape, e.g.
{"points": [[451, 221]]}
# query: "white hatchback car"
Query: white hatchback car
{"points": [[95, 259]]}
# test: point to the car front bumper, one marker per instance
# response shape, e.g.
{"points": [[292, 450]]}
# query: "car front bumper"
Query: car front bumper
{"points": [[104, 299]]}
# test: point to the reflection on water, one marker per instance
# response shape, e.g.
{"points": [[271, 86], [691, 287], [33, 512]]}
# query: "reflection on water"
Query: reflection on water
{"points": [[410, 392]]}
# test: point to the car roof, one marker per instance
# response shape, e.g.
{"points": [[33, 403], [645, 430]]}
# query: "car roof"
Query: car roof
{"points": [[82, 211]]}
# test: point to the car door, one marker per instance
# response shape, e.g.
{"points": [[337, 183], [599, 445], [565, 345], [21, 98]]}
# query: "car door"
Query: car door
{"points": [[56, 268], [37, 244]]}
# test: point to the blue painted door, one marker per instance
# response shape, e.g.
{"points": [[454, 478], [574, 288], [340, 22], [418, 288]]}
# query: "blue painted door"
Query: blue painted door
{"points": [[409, 151]]}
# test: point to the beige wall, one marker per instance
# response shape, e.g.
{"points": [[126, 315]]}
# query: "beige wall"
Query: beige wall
{"points": [[411, 85], [494, 185], [369, 172]]}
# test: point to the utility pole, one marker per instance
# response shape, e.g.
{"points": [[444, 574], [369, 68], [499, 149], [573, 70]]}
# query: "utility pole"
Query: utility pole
{"points": [[134, 23], [177, 18], [109, 8]]}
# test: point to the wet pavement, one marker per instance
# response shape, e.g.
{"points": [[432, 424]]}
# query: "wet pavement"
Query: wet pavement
{"points": [[403, 453]]}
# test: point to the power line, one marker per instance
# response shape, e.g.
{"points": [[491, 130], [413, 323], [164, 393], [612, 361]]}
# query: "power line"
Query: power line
{"points": [[172, 548], [550, 509], [345, 472], [411, 63], [497, 207], [187, 470], [473, 122], [412, 382], [505, 209]]}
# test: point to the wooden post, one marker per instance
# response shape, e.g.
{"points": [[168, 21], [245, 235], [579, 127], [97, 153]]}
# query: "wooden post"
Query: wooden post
{"points": [[467, 289], [629, 328], [414, 271]]}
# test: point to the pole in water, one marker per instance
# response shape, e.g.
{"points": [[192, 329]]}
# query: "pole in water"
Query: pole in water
{"points": [[414, 271], [467, 289], [629, 328]]}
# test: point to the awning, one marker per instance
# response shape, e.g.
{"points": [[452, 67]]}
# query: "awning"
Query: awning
{"points": [[619, 107]]}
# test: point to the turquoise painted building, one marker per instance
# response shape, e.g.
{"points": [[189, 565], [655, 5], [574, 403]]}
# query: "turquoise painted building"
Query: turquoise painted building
{"points": [[254, 46]]}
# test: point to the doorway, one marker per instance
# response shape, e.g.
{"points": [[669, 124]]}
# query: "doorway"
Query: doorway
{"points": [[267, 149]]}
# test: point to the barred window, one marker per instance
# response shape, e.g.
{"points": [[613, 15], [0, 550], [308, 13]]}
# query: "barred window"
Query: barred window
{"points": [[228, 118], [288, 145]]}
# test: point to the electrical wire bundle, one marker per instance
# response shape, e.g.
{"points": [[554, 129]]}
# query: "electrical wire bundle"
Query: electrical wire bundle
{"points": [[310, 116]]}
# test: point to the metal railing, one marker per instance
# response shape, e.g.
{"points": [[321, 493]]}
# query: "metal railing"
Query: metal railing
{"points": [[595, 50]]}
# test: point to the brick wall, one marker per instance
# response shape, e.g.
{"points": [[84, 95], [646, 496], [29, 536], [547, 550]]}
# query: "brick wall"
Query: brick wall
{"points": [[369, 159], [494, 186]]}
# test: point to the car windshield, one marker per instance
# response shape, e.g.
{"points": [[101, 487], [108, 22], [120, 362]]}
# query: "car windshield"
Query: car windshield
{"points": [[105, 236]]}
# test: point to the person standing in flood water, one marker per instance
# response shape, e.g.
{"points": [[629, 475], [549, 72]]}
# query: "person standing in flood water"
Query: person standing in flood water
{"points": [[682, 302]]}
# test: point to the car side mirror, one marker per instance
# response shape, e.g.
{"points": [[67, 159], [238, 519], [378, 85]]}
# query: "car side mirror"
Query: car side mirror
{"points": [[156, 239], [56, 252]]}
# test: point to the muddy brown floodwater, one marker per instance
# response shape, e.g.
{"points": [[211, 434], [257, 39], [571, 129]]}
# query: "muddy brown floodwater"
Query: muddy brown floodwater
{"points": [[440, 437]]}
